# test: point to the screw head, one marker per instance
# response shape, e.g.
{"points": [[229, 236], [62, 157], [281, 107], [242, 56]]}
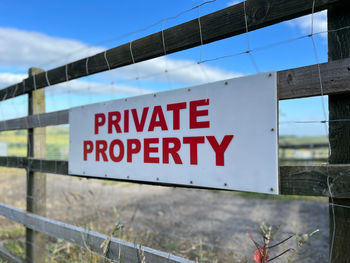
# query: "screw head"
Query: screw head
{"points": [[271, 189]]}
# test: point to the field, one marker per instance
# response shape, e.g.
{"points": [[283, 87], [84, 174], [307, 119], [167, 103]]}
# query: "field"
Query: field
{"points": [[57, 142]]}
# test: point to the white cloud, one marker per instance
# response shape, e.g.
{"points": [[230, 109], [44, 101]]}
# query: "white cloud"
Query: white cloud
{"points": [[305, 23], [180, 71], [24, 49], [233, 2], [78, 86]]}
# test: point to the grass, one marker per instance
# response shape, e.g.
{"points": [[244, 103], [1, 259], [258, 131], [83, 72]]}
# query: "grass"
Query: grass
{"points": [[57, 142], [15, 248], [248, 195], [12, 233]]}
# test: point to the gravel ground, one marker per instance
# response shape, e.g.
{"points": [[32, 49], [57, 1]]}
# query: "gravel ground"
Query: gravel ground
{"points": [[216, 219]]}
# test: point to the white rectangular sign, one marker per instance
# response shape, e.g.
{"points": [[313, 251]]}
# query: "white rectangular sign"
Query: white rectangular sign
{"points": [[219, 135]]}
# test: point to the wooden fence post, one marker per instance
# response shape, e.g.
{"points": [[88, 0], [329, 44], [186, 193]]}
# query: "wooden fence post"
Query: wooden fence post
{"points": [[339, 132], [36, 182]]}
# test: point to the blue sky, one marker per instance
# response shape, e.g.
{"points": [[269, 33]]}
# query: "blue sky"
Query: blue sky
{"points": [[46, 33]]}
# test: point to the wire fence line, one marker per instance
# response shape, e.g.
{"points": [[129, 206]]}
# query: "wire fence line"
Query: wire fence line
{"points": [[248, 51], [43, 82]]}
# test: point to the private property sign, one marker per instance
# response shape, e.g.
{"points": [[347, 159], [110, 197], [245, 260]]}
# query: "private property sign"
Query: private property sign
{"points": [[220, 135]]}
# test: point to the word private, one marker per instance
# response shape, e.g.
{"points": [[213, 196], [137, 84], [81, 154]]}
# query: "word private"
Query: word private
{"points": [[170, 146]]}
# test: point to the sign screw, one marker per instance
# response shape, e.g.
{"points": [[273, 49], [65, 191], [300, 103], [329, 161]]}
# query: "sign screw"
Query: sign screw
{"points": [[188, 89], [272, 129], [128, 177], [226, 83], [154, 95], [157, 178], [191, 182], [225, 184], [271, 189], [270, 75]]}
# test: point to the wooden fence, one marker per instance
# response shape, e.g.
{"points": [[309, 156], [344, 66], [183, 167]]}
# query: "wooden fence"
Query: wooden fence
{"points": [[294, 83]]}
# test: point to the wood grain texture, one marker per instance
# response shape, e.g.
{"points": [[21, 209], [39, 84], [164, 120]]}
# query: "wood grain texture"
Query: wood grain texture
{"points": [[339, 132], [9, 257], [87, 239], [304, 81], [36, 181], [295, 180], [34, 121], [222, 24], [312, 180]]}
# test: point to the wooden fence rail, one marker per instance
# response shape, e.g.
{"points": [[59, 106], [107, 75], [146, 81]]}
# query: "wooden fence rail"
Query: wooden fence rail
{"points": [[292, 83], [9, 257], [294, 180], [118, 249]]}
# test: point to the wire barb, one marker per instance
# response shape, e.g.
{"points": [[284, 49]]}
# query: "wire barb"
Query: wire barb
{"points": [[105, 55], [131, 53], [200, 33], [87, 66], [47, 78], [67, 79], [163, 38], [248, 39]]}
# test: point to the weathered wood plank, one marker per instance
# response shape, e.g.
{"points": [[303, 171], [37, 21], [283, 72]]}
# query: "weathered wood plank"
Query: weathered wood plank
{"points": [[36, 165], [312, 180], [339, 133], [295, 180], [87, 239], [304, 81], [222, 24], [34, 121], [293, 83], [36, 181], [9, 257]]}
